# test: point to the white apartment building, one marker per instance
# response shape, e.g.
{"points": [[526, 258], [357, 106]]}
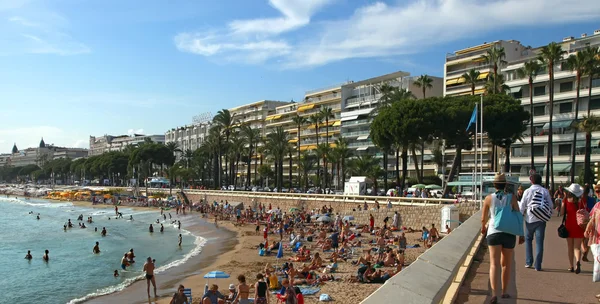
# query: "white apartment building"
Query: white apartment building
{"points": [[565, 90], [108, 143], [40, 155], [188, 137], [360, 99]]}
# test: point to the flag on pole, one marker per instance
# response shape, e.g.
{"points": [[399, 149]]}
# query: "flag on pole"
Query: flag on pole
{"points": [[473, 118]]}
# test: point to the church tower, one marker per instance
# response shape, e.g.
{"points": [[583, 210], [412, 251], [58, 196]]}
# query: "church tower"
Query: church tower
{"points": [[42, 143]]}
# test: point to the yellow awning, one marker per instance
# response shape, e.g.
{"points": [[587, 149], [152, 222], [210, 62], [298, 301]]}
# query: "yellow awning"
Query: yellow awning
{"points": [[310, 127], [483, 75], [337, 123], [477, 92], [273, 117], [455, 81], [332, 145], [306, 107], [292, 131], [475, 48], [308, 147], [295, 140]]}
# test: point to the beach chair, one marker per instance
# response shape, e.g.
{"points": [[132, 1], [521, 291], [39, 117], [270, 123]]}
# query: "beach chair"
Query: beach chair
{"points": [[188, 293]]}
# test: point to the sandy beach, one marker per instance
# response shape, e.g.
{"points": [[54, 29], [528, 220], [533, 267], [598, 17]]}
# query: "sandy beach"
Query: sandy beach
{"points": [[233, 249]]}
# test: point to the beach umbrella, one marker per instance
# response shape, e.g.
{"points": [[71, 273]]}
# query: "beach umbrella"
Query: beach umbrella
{"points": [[433, 187], [348, 218], [216, 275], [420, 186], [280, 251], [324, 218]]}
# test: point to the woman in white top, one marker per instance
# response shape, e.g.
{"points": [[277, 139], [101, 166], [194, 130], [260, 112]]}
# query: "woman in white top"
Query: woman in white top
{"points": [[500, 244]]}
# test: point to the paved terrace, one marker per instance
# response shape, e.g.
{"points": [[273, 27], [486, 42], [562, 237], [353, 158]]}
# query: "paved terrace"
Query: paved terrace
{"points": [[552, 285]]}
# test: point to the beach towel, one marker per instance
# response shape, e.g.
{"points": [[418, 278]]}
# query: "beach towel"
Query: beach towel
{"points": [[324, 297], [307, 291], [413, 246]]}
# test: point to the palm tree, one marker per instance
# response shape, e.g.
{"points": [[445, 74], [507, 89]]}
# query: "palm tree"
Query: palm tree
{"points": [[424, 82], [342, 153], [322, 152], [495, 56], [306, 163], [389, 95], [215, 142], [496, 85], [472, 78], [592, 69], [550, 55], [530, 70], [227, 123], [278, 143], [588, 125], [367, 165], [188, 155], [326, 113], [577, 63], [316, 119], [299, 121], [251, 136]]}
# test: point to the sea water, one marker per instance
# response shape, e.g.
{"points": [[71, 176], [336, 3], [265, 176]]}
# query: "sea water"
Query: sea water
{"points": [[73, 273]]}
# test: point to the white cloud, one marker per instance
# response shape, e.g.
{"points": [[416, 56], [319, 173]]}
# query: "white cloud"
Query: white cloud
{"points": [[247, 40], [378, 29], [296, 13], [81, 143], [135, 131], [40, 33]]}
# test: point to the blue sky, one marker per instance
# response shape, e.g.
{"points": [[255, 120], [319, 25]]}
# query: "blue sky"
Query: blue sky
{"points": [[74, 68]]}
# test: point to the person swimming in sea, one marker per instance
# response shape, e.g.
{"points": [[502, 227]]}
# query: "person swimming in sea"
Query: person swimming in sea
{"points": [[162, 228], [131, 217], [116, 273], [131, 256], [45, 257], [151, 229], [103, 233], [169, 215], [165, 217], [83, 225], [96, 249], [95, 229], [28, 255], [38, 217], [65, 227], [124, 262], [157, 221], [180, 240], [179, 225], [69, 224]]}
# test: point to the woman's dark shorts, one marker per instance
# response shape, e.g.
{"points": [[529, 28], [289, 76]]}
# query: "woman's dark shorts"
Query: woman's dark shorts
{"points": [[506, 240]]}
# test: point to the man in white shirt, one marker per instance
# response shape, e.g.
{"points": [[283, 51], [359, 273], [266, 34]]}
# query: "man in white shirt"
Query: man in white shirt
{"points": [[536, 205]]}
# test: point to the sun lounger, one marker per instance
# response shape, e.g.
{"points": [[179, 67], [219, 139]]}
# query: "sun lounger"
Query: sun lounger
{"points": [[188, 293]]}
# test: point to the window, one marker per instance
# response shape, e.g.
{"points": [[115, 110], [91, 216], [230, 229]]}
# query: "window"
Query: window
{"points": [[518, 94], [595, 82], [517, 152], [565, 107], [538, 91], [564, 149], [539, 110], [594, 104], [538, 150], [516, 168], [566, 86]]}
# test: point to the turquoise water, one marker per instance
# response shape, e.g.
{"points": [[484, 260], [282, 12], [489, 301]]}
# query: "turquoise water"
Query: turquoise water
{"points": [[74, 273]]}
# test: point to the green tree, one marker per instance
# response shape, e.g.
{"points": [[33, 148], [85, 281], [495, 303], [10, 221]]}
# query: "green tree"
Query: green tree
{"points": [[550, 55], [299, 121], [306, 164], [588, 125], [577, 63], [252, 136], [367, 165], [316, 119], [592, 70], [227, 123], [424, 82], [278, 145], [472, 79], [505, 122], [495, 56], [530, 71]]}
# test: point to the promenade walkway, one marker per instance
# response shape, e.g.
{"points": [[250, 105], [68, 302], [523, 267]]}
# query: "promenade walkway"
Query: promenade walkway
{"points": [[552, 285]]}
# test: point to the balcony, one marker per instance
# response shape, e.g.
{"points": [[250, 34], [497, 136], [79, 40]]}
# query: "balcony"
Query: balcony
{"points": [[355, 122], [356, 133], [477, 66], [322, 131], [356, 101]]}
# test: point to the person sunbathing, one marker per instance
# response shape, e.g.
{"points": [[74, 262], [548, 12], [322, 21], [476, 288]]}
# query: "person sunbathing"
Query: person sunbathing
{"points": [[317, 262], [390, 259], [367, 258]]}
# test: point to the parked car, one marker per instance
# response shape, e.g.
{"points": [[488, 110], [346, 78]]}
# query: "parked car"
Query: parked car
{"points": [[254, 189]]}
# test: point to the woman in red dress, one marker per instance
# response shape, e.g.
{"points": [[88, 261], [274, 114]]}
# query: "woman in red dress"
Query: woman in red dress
{"points": [[570, 205]]}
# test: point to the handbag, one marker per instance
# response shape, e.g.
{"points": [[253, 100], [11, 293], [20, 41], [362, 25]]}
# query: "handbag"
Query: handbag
{"points": [[562, 229], [539, 208], [583, 216], [508, 220]]}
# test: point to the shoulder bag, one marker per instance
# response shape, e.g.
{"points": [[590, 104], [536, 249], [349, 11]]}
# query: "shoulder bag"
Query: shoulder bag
{"points": [[562, 229], [506, 219], [583, 216]]}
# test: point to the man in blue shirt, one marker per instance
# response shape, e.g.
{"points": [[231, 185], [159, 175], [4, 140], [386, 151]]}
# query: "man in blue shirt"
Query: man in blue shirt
{"points": [[213, 295], [334, 240]]}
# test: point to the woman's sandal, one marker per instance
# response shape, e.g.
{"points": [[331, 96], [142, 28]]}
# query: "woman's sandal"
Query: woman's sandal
{"points": [[578, 268], [505, 296], [494, 300], [571, 269]]}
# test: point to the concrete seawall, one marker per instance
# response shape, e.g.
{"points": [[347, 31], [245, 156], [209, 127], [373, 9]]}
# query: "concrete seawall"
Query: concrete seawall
{"points": [[412, 213]]}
